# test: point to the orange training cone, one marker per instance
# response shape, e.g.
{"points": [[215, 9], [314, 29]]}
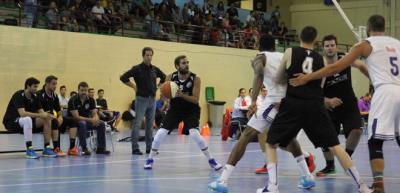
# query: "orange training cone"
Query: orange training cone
{"points": [[205, 131]]}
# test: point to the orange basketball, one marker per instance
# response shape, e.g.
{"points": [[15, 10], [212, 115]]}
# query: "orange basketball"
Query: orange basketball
{"points": [[168, 89]]}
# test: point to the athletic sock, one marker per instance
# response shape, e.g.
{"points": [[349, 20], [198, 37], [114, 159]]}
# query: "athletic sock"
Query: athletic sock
{"points": [[28, 144], [272, 173], [353, 172], [303, 168], [330, 164], [226, 173], [350, 152]]}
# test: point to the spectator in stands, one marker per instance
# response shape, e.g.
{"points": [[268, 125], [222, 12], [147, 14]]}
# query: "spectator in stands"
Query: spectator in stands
{"points": [[157, 30], [251, 20], [274, 22], [185, 14], [166, 15], [276, 13], [101, 21], [51, 104], [220, 12], [53, 17], [233, 15], [266, 28], [177, 18], [72, 94], [137, 8], [364, 105], [206, 9], [107, 115], [81, 15], [215, 36], [255, 38], [83, 109], [30, 9], [25, 115], [248, 97], [282, 31], [197, 25], [240, 109], [115, 19]]}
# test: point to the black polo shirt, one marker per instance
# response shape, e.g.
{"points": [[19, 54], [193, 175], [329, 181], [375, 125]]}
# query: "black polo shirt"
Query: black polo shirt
{"points": [[145, 78], [102, 103], [84, 109], [19, 100], [49, 103]]}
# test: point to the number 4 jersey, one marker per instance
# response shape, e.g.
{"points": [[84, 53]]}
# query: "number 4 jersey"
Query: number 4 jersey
{"points": [[305, 61], [384, 61]]}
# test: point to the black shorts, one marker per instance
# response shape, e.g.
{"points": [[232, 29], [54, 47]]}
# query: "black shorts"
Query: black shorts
{"points": [[190, 118], [348, 116], [296, 114], [13, 126]]}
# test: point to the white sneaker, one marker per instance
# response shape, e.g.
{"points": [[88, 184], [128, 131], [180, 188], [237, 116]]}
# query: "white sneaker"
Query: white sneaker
{"points": [[365, 189], [272, 188]]}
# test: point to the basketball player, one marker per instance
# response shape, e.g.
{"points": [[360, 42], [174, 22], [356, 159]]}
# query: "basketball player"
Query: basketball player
{"points": [[183, 107], [266, 72], [25, 115], [382, 55], [341, 103], [303, 107], [51, 104]]}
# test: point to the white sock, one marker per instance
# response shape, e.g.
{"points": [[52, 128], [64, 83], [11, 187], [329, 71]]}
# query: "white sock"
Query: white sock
{"points": [[26, 124], [305, 153], [158, 138], [226, 173], [303, 168], [195, 135], [272, 173], [353, 172]]}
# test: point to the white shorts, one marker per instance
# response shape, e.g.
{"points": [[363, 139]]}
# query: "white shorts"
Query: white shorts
{"points": [[384, 115], [264, 116]]}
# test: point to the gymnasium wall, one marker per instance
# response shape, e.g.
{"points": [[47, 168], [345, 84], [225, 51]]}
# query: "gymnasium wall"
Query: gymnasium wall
{"points": [[100, 60]]}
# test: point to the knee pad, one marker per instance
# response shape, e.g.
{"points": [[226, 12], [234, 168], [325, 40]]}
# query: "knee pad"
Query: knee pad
{"points": [[54, 124], [375, 149]]}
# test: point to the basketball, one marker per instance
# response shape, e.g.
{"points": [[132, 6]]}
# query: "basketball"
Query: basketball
{"points": [[168, 89]]}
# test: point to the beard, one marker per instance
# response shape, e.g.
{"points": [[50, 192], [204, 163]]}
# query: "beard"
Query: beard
{"points": [[184, 71]]}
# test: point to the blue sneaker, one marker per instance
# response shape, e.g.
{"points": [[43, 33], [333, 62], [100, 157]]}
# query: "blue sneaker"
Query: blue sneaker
{"points": [[306, 182], [149, 164], [31, 154], [214, 164], [48, 152], [218, 186]]}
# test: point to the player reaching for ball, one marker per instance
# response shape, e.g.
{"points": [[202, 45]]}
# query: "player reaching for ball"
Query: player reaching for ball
{"points": [[183, 107]]}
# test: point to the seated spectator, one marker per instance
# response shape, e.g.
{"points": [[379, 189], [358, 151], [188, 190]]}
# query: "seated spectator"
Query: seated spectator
{"points": [[162, 106], [220, 12], [157, 30], [197, 26], [248, 97], [53, 17], [282, 31], [137, 8], [91, 93], [72, 94], [63, 98], [185, 14], [215, 36], [81, 15], [111, 117], [166, 17], [83, 109], [51, 104], [25, 115], [177, 18], [233, 15], [240, 109], [251, 20], [100, 19], [364, 104], [262, 96], [115, 19]]}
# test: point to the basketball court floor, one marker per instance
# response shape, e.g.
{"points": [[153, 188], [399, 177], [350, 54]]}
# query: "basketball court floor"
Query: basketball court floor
{"points": [[179, 168]]}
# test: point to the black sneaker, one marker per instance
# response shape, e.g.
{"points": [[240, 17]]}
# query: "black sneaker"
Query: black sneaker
{"points": [[86, 152], [102, 151], [326, 171], [137, 152]]}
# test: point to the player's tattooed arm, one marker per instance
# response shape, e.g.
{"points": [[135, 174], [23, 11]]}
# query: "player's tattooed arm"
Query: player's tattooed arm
{"points": [[258, 66]]}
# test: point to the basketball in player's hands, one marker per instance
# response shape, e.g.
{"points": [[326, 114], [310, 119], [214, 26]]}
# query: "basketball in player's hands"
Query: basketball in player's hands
{"points": [[168, 89]]}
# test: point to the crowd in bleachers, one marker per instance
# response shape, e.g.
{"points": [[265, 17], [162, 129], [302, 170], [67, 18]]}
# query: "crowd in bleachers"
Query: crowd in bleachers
{"points": [[200, 24]]}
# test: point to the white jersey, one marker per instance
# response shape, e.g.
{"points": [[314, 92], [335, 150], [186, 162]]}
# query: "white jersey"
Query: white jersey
{"points": [[384, 61], [274, 80]]}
